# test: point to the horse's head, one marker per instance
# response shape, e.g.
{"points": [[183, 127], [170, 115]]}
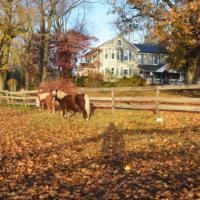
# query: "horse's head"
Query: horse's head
{"points": [[54, 94], [58, 94]]}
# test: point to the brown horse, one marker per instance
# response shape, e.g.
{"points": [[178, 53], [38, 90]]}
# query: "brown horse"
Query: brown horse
{"points": [[75, 103], [46, 99]]}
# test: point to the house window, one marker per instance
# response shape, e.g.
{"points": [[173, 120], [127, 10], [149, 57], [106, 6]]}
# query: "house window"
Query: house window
{"points": [[130, 55], [107, 70], [125, 72], [120, 54], [155, 60], [119, 43], [112, 71], [88, 60], [95, 58], [126, 55], [141, 59], [113, 54], [117, 54], [106, 54]]}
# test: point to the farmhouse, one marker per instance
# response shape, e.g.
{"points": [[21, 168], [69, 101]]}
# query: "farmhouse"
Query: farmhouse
{"points": [[118, 58]]}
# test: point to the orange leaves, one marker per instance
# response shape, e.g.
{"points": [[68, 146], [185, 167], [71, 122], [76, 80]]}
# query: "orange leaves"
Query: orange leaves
{"points": [[127, 168], [1, 178], [133, 159], [176, 25]]}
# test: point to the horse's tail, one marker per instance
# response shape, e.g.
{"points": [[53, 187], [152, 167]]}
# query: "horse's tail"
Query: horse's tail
{"points": [[87, 106]]}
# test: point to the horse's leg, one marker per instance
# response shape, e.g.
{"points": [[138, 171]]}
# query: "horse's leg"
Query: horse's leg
{"points": [[42, 107], [53, 107], [48, 107], [82, 109], [68, 114], [85, 115], [63, 113]]}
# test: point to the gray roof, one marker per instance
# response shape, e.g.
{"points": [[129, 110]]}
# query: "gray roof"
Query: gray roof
{"points": [[151, 48]]}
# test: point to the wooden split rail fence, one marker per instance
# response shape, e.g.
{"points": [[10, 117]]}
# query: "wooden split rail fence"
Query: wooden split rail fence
{"points": [[23, 98], [111, 100]]}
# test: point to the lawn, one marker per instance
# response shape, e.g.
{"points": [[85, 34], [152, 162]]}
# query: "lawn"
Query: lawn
{"points": [[120, 155]]}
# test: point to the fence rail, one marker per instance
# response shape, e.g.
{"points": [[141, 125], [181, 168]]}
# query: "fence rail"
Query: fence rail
{"points": [[154, 102]]}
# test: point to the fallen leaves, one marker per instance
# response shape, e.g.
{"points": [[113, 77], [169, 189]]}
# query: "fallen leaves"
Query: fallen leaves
{"points": [[127, 168], [55, 159]]}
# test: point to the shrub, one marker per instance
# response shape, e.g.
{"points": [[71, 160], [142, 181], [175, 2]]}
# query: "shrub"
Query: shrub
{"points": [[94, 80], [80, 81], [131, 82], [109, 84]]}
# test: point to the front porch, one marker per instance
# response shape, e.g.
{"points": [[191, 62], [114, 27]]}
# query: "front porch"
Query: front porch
{"points": [[160, 75], [163, 78]]}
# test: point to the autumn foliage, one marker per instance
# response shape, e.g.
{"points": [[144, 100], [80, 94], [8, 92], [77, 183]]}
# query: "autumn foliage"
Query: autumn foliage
{"points": [[175, 24], [69, 48], [63, 84]]}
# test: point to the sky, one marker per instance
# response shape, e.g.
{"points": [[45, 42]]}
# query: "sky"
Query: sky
{"points": [[100, 23]]}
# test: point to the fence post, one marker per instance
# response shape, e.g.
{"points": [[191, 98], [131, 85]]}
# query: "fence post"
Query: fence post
{"points": [[24, 100], [7, 98], [113, 99], [11, 98], [157, 102]]}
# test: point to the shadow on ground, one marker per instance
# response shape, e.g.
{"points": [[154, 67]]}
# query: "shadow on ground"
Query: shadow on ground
{"points": [[165, 170]]}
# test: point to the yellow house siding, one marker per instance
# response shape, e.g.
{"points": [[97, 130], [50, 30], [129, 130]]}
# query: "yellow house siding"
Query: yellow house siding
{"points": [[148, 58], [118, 65]]}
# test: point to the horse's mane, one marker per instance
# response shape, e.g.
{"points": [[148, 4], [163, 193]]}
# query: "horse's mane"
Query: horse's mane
{"points": [[61, 94], [43, 96]]}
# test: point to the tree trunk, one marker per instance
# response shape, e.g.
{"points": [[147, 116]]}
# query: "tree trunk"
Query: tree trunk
{"points": [[46, 56], [42, 40], [197, 73], [190, 73], [27, 80], [67, 73], [46, 44], [2, 80]]}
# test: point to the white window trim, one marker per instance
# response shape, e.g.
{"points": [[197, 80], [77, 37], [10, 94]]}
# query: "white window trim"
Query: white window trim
{"points": [[113, 53], [106, 54], [141, 60], [158, 59], [126, 52], [119, 45]]}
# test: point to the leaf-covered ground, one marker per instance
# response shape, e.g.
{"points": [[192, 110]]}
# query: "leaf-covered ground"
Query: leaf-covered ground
{"points": [[124, 155]]}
